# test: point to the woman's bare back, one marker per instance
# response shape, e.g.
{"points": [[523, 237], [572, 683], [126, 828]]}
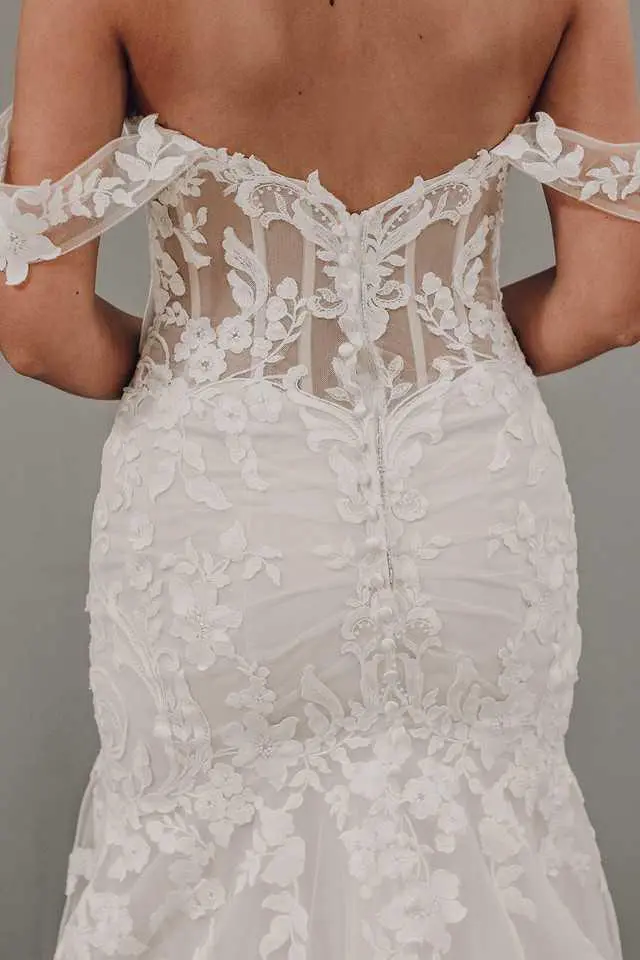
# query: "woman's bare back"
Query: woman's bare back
{"points": [[370, 94]]}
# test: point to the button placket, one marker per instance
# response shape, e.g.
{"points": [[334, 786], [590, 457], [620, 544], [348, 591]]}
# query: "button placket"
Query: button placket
{"points": [[368, 410], [392, 693], [384, 610], [348, 280]]}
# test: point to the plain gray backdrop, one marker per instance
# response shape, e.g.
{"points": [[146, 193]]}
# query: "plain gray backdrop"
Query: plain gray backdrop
{"points": [[50, 447]]}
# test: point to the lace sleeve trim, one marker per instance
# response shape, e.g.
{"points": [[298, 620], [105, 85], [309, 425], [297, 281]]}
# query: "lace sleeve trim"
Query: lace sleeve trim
{"points": [[603, 174], [43, 221]]}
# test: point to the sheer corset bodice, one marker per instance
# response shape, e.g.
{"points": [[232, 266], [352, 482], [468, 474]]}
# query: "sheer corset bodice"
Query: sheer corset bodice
{"points": [[278, 277], [287, 283]]}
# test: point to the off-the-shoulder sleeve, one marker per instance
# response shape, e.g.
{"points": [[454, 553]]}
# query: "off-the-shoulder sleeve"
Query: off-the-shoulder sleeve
{"points": [[43, 221], [603, 174]]}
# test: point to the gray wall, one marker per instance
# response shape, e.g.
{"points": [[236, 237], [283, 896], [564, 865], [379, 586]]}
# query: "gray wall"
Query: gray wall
{"points": [[51, 445]]}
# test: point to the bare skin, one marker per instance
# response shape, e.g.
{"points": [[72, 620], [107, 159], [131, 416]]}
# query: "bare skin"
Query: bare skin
{"points": [[370, 94]]}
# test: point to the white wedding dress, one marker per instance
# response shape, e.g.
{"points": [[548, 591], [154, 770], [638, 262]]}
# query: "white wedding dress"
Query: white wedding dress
{"points": [[333, 589]]}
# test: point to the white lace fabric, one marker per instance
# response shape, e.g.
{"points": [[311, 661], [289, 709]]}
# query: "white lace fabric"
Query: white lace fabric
{"points": [[333, 574]]}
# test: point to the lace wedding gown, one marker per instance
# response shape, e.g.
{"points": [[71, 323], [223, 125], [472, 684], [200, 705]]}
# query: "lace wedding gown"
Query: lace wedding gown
{"points": [[333, 590]]}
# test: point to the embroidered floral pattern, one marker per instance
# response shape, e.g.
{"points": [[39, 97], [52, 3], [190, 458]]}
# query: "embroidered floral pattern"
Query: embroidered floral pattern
{"points": [[582, 166], [333, 573], [141, 167], [21, 238]]}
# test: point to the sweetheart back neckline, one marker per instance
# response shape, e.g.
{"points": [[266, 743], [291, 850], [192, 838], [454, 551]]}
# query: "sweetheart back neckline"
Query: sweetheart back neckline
{"points": [[313, 179]]}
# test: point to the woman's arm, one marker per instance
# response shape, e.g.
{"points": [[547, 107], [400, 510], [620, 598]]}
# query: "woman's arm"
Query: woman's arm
{"points": [[70, 98], [554, 333], [589, 302]]}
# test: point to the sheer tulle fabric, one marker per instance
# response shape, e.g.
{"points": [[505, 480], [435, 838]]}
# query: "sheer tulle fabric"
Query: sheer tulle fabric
{"points": [[333, 572], [129, 171]]}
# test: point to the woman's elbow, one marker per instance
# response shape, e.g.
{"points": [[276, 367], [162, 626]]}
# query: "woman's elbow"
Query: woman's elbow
{"points": [[628, 335], [23, 359], [28, 320]]}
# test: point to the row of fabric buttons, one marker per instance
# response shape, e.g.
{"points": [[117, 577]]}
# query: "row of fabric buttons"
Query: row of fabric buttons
{"points": [[384, 600], [348, 283], [393, 692]]}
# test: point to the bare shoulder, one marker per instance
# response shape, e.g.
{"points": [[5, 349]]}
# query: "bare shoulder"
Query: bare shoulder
{"points": [[592, 81], [63, 16], [69, 76]]}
